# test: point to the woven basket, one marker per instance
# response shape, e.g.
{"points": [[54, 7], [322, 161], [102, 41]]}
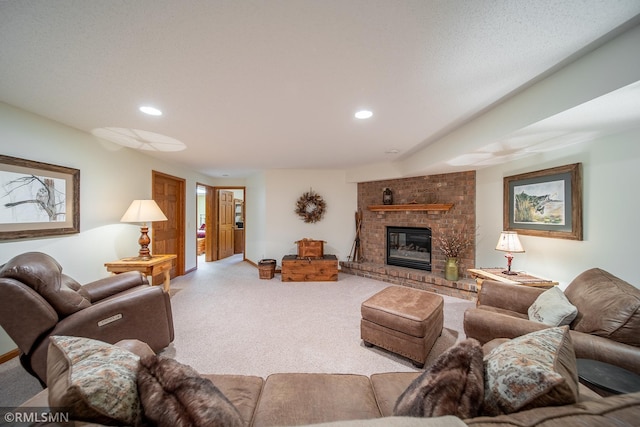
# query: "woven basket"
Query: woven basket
{"points": [[267, 268]]}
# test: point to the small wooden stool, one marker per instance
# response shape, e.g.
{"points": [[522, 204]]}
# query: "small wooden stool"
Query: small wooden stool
{"points": [[403, 320]]}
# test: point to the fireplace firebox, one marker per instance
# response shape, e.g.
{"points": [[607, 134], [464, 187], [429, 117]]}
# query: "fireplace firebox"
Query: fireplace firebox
{"points": [[409, 247]]}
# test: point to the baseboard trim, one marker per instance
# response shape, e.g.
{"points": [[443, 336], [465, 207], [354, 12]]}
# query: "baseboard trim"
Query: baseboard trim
{"points": [[10, 355]]}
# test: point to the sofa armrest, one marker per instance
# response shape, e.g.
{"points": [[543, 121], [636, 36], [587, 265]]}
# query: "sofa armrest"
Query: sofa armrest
{"points": [[143, 314], [112, 285], [516, 298], [589, 346], [485, 325]]}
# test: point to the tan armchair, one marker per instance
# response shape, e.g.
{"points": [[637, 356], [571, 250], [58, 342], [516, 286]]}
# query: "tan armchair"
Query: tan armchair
{"points": [[38, 300], [607, 327]]}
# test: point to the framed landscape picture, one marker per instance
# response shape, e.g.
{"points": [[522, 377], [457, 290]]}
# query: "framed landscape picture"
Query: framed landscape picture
{"points": [[37, 199], [545, 203]]}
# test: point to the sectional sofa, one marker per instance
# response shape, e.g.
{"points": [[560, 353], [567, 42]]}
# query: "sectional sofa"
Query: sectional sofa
{"points": [[286, 399]]}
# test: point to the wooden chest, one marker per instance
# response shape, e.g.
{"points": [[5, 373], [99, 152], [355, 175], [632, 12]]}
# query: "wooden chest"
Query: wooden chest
{"points": [[308, 248], [296, 269]]}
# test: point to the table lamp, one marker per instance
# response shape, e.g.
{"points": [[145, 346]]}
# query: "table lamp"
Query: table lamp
{"points": [[509, 242], [143, 211]]}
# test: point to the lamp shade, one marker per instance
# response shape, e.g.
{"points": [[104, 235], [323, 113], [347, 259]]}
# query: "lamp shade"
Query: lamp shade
{"points": [[509, 242], [143, 211]]}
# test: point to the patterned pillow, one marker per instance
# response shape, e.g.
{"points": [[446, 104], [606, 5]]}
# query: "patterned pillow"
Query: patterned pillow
{"points": [[533, 370], [93, 380], [552, 308], [452, 385]]}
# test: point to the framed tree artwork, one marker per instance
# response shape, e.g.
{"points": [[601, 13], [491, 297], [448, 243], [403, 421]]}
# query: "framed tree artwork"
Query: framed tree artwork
{"points": [[545, 203], [37, 199]]}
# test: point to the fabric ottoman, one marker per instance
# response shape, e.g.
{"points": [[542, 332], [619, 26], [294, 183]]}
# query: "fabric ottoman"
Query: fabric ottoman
{"points": [[403, 320]]}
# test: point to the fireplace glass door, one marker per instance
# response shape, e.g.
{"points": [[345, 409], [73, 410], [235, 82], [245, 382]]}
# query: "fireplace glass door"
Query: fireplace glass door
{"points": [[409, 247]]}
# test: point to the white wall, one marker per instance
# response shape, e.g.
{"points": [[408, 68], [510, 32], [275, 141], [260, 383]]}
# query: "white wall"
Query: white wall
{"points": [[255, 218], [201, 209], [283, 227], [111, 177], [272, 226], [611, 171]]}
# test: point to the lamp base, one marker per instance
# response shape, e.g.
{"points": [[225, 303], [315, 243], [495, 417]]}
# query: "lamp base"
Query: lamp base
{"points": [[508, 271], [144, 240]]}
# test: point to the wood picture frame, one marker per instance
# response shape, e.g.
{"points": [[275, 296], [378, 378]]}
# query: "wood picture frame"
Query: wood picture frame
{"points": [[37, 199], [545, 203]]}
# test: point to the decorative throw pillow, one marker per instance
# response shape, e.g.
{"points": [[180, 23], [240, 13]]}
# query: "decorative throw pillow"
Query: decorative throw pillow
{"points": [[174, 394], [533, 370], [93, 380], [552, 308], [452, 385]]}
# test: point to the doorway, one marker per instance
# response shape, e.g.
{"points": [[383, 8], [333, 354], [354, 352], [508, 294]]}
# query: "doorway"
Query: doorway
{"points": [[220, 225]]}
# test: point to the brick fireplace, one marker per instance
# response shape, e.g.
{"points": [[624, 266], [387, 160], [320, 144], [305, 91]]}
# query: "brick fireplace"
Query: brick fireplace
{"points": [[458, 189]]}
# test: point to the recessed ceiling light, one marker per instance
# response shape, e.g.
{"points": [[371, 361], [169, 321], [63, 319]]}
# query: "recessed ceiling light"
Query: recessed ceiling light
{"points": [[392, 151], [363, 114], [150, 110]]}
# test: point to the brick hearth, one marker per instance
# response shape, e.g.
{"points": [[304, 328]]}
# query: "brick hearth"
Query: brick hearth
{"points": [[456, 188], [425, 280]]}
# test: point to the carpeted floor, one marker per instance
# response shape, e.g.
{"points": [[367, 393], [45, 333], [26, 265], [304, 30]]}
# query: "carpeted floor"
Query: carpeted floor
{"points": [[228, 320]]}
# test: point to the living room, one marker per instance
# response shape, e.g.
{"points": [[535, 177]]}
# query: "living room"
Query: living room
{"points": [[112, 176]]}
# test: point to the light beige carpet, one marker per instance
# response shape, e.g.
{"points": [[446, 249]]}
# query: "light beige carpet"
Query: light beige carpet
{"points": [[228, 320]]}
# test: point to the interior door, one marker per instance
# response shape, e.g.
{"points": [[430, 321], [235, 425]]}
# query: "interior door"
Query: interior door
{"points": [[168, 236], [226, 218]]}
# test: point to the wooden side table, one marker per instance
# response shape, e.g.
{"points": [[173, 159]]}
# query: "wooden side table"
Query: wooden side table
{"points": [[156, 265], [523, 279], [606, 379]]}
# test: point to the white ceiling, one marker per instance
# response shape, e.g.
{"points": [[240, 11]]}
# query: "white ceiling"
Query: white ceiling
{"points": [[251, 84]]}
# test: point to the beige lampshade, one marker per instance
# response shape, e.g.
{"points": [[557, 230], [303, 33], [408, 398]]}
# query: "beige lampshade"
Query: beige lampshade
{"points": [[509, 242], [143, 211]]}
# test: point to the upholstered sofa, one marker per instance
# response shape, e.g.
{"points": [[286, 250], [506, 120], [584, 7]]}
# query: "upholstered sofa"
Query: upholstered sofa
{"points": [[287, 399], [368, 401], [606, 327]]}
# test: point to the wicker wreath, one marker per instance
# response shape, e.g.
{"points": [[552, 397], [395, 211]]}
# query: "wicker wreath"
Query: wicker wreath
{"points": [[310, 206]]}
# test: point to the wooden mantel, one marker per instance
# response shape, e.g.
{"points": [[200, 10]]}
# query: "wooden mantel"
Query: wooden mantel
{"points": [[433, 207]]}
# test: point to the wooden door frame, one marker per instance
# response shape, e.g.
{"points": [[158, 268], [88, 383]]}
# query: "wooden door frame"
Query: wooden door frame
{"points": [[214, 218], [180, 213], [211, 219], [208, 221]]}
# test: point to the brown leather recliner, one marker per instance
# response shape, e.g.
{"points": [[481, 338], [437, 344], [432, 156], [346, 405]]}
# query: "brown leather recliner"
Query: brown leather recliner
{"points": [[607, 327], [38, 301]]}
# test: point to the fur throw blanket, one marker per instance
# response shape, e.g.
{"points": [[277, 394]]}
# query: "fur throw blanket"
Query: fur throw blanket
{"points": [[452, 385], [173, 394]]}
